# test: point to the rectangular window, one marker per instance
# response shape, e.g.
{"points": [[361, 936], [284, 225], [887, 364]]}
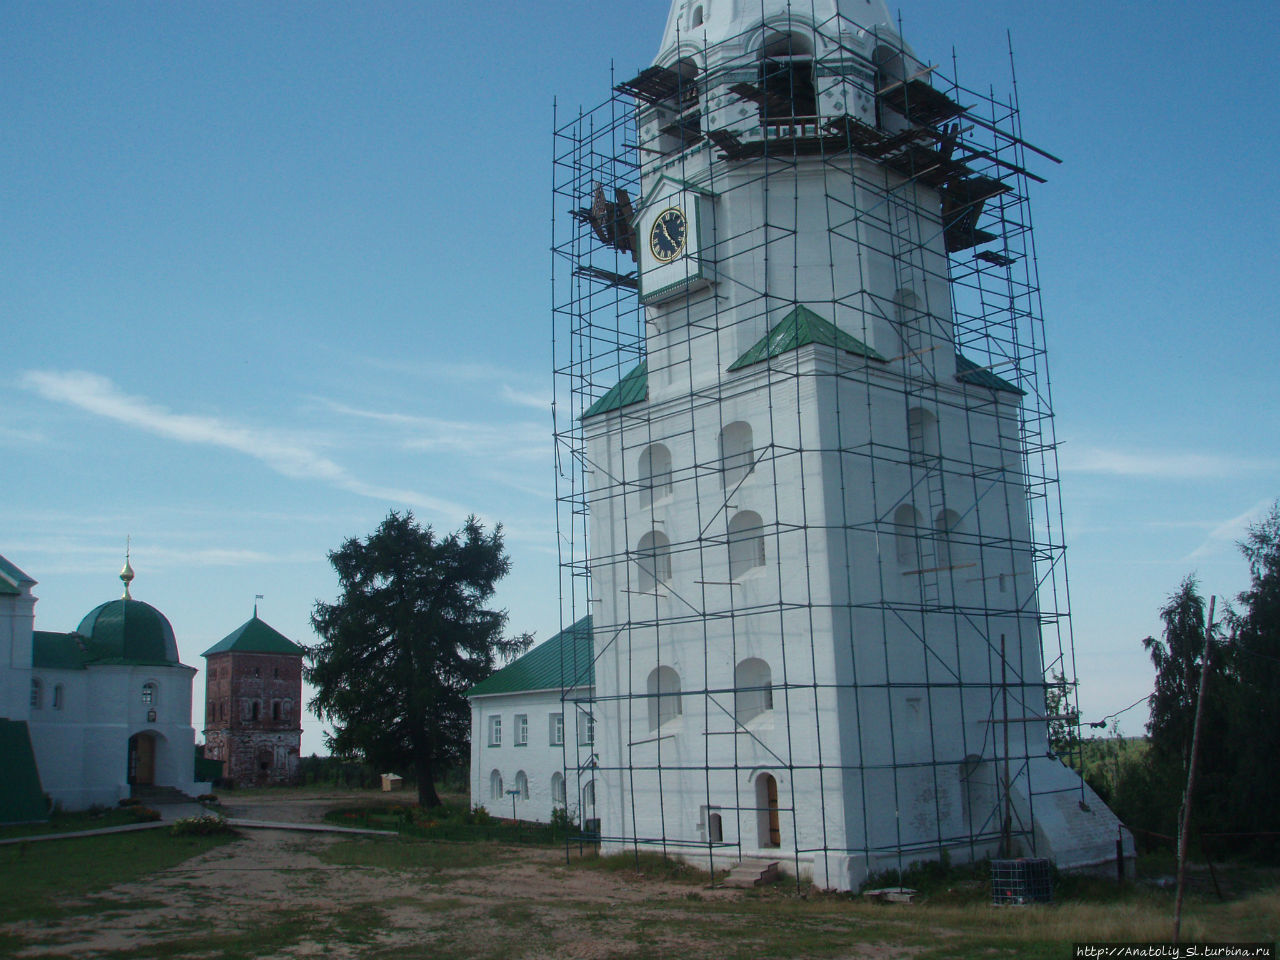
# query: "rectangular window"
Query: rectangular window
{"points": [[586, 729], [495, 731], [522, 730], [557, 729]]}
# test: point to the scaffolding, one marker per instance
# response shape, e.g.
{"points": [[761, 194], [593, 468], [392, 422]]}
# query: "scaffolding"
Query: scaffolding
{"points": [[808, 491]]}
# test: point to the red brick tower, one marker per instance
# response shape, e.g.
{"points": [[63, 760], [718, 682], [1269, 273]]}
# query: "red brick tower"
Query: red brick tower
{"points": [[253, 710]]}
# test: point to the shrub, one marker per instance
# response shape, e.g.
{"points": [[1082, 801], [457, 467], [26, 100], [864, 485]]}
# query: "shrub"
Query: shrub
{"points": [[480, 815], [130, 802], [208, 798], [200, 826], [145, 814]]}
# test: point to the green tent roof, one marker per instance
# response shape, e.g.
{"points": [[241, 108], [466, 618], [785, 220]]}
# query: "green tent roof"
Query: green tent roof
{"points": [[22, 798], [633, 388], [58, 651], [969, 372], [798, 328], [12, 579], [255, 636], [561, 663]]}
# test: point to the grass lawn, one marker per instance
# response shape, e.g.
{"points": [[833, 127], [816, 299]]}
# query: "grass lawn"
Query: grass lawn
{"points": [[72, 822]]}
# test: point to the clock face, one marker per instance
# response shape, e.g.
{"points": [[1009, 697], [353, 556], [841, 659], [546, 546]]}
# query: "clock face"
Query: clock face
{"points": [[668, 234]]}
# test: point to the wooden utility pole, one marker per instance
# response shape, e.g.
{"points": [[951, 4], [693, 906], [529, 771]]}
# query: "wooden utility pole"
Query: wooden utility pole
{"points": [[1184, 819]]}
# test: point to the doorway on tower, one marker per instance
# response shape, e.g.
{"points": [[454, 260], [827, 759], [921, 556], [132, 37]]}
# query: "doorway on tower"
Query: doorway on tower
{"points": [[142, 760], [767, 823]]}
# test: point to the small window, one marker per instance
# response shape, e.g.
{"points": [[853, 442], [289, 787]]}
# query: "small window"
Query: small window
{"points": [[522, 784], [737, 456], [275, 710], [495, 731], [257, 710], [148, 693], [495, 786], [906, 528], [663, 688], [557, 729], [746, 543], [57, 696], [655, 473], [275, 672], [37, 694], [654, 560], [753, 689], [257, 672], [922, 433], [589, 795], [696, 18], [946, 526], [557, 788], [522, 729], [586, 729], [715, 828]]}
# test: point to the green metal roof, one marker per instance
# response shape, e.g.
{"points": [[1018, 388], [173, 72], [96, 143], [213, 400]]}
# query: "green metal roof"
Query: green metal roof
{"points": [[129, 631], [800, 327], [633, 388], [969, 372], [12, 579], [58, 651], [22, 799], [256, 636], [561, 663]]}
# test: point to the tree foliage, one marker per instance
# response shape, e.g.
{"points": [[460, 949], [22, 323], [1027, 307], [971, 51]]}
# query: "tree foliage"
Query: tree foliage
{"points": [[409, 634], [1256, 711]]}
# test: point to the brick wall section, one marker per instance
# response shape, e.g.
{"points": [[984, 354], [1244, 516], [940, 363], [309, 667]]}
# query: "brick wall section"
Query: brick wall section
{"points": [[253, 716]]}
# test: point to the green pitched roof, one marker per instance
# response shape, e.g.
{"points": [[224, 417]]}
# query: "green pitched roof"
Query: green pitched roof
{"points": [[969, 372], [256, 636], [58, 651], [798, 328], [633, 388], [561, 663], [12, 579]]}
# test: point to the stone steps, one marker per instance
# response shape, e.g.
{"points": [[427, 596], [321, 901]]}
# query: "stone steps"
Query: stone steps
{"points": [[752, 873], [152, 796]]}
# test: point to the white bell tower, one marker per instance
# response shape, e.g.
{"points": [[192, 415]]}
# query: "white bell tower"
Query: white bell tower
{"points": [[806, 457]]}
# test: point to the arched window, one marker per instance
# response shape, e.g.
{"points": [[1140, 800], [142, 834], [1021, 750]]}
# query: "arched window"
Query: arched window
{"points": [[697, 17], [495, 786], [922, 433], [654, 560], [737, 458], [664, 697], [557, 788], [906, 535], [906, 314], [589, 795], [746, 543], [37, 694], [946, 526], [655, 473], [752, 689], [57, 696], [149, 691], [786, 78], [522, 784]]}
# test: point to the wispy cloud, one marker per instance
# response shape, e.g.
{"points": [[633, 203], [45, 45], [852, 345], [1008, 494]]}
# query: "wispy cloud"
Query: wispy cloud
{"points": [[12, 434], [533, 399], [524, 440], [1229, 532], [285, 454], [1158, 465]]}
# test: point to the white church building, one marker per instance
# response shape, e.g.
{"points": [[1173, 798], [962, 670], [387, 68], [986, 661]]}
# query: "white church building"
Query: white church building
{"points": [[806, 468], [101, 710]]}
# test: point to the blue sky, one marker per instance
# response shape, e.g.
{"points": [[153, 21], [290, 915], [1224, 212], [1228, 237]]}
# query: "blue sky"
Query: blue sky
{"points": [[268, 271]]}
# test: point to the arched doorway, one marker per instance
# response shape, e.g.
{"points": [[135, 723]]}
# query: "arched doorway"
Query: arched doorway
{"points": [[142, 759], [768, 826]]}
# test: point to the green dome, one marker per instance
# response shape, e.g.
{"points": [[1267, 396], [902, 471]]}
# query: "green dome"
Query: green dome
{"points": [[129, 631]]}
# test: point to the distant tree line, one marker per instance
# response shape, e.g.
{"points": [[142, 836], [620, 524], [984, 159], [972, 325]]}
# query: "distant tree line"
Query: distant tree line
{"points": [[1236, 805]]}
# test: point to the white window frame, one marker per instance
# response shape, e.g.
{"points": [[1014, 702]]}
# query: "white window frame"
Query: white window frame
{"points": [[495, 730], [556, 729], [522, 730]]}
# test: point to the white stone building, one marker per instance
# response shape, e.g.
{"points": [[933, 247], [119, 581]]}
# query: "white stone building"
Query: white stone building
{"points": [[522, 719], [816, 519], [106, 708]]}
